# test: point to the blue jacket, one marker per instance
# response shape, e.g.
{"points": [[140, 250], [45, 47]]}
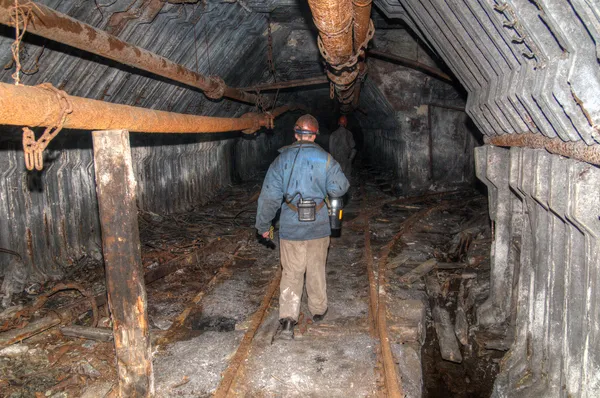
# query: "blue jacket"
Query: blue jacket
{"points": [[316, 174]]}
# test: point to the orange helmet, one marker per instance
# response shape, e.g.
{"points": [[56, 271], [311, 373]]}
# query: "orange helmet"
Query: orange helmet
{"points": [[306, 124], [343, 121]]}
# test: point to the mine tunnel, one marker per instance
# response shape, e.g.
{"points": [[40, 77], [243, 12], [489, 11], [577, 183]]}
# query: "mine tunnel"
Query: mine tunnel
{"points": [[140, 254]]}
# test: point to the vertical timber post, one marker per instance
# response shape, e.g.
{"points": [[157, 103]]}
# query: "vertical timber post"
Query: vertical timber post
{"points": [[116, 190]]}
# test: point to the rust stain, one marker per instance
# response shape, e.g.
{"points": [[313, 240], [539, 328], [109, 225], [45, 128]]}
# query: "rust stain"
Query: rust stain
{"points": [[576, 150], [30, 245], [115, 44], [335, 21], [26, 101], [53, 21], [91, 33], [64, 29], [64, 231], [46, 229], [585, 112]]}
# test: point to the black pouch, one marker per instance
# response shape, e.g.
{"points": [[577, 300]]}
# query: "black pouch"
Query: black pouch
{"points": [[307, 210]]}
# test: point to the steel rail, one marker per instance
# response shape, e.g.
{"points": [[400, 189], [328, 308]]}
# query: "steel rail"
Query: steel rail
{"points": [[373, 297], [61, 28], [240, 357]]}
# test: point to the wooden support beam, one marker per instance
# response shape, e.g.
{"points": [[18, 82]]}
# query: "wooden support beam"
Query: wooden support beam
{"points": [[116, 189]]}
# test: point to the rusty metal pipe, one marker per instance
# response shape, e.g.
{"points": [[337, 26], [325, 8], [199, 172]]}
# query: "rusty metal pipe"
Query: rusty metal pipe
{"points": [[362, 17], [409, 63], [61, 28], [35, 107], [311, 81], [576, 150], [275, 113], [333, 18]]}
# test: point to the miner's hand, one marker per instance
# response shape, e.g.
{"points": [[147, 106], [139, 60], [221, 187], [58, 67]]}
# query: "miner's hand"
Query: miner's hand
{"points": [[268, 243]]}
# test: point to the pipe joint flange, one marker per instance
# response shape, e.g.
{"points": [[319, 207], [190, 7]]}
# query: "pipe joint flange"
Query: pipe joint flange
{"points": [[345, 96], [345, 78], [362, 71], [258, 122], [218, 91]]}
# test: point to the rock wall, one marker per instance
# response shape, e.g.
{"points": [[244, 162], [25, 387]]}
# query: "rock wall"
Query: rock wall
{"points": [[51, 217], [415, 124], [545, 271]]}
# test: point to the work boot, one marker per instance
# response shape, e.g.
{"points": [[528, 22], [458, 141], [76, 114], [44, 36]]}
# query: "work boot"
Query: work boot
{"points": [[319, 318], [286, 329]]}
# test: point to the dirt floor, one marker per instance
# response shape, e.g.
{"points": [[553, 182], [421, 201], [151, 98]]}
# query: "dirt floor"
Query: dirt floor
{"points": [[214, 317]]}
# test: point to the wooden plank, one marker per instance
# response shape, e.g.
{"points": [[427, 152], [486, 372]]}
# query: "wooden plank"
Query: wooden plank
{"points": [[419, 271], [443, 324], [31, 329], [87, 332]]}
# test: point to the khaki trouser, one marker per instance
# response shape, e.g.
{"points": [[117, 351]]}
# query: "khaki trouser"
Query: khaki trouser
{"points": [[299, 257]]}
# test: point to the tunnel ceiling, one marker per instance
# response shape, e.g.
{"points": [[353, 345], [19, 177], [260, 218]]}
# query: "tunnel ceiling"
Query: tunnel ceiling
{"points": [[213, 38], [528, 66]]}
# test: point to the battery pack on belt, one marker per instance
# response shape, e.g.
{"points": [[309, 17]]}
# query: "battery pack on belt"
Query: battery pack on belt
{"points": [[307, 209]]}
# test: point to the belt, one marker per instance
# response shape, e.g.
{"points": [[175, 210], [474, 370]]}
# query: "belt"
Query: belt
{"points": [[294, 208]]}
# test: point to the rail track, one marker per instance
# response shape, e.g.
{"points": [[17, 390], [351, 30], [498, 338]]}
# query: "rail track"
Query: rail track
{"points": [[388, 381]]}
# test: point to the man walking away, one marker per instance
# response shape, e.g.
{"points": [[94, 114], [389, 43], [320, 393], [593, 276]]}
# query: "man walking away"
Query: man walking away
{"points": [[302, 175], [342, 146]]}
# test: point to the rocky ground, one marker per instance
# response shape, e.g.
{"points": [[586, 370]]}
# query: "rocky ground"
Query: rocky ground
{"points": [[213, 318]]}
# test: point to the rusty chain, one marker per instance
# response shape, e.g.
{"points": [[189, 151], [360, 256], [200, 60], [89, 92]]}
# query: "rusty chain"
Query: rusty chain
{"points": [[353, 60], [343, 76], [261, 104], [34, 150], [20, 17]]}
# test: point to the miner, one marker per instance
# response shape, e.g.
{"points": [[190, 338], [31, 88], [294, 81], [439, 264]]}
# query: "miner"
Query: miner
{"points": [[341, 146], [298, 182]]}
